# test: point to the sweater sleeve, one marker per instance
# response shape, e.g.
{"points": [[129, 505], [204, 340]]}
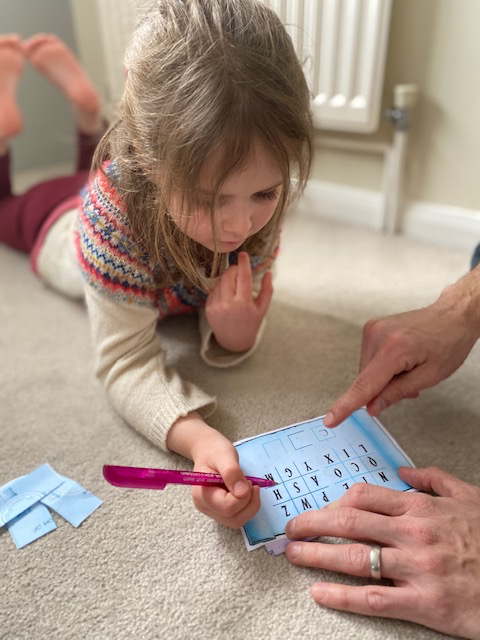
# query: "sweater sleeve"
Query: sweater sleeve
{"points": [[121, 296], [130, 362]]}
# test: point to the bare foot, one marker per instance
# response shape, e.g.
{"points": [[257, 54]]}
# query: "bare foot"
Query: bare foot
{"points": [[49, 55], [11, 67]]}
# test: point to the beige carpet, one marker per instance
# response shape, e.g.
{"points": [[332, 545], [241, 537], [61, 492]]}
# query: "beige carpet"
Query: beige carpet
{"points": [[146, 564]]}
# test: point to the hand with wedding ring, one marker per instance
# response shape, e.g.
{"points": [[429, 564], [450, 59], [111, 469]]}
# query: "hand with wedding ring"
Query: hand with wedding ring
{"points": [[427, 545]]}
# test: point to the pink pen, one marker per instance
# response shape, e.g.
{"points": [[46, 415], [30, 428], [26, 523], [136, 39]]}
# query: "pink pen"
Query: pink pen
{"points": [[143, 478]]}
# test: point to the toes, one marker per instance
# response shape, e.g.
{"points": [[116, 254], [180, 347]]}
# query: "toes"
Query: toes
{"points": [[31, 45]]}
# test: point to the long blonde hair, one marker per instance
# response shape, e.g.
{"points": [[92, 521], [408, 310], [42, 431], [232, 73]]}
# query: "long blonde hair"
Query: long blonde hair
{"points": [[205, 76]]}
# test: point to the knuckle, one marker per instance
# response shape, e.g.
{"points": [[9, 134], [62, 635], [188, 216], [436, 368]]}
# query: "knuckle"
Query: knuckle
{"points": [[347, 519], [396, 391], [395, 341], [423, 532], [421, 503], [230, 511], [232, 467], [361, 386], [306, 520], [375, 600], [357, 494], [356, 555], [371, 326], [433, 471]]}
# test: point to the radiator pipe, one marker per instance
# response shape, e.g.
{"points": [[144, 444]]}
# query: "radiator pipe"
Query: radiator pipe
{"points": [[404, 100]]}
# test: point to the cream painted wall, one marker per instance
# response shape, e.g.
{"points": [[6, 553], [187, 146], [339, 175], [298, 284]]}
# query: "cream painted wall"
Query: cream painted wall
{"points": [[435, 44]]}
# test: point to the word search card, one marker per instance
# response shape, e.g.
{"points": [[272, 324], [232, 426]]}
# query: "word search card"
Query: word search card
{"points": [[314, 466]]}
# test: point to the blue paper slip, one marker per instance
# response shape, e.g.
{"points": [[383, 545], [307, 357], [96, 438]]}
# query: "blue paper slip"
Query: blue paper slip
{"points": [[22, 493], [72, 502], [314, 466], [25, 503], [34, 523]]}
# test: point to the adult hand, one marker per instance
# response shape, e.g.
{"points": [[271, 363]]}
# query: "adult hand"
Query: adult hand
{"points": [[232, 310], [430, 550], [403, 354]]}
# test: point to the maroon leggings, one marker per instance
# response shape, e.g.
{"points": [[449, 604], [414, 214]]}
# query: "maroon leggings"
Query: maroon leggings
{"points": [[22, 216]]}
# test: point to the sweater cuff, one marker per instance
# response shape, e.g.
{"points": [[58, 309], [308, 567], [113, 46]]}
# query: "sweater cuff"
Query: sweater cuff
{"points": [[215, 355], [171, 409]]}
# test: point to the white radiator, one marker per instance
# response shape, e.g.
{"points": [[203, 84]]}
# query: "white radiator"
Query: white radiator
{"points": [[343, 45]]}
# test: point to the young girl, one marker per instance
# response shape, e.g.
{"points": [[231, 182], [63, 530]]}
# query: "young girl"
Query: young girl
{"points": [[183, 215]]}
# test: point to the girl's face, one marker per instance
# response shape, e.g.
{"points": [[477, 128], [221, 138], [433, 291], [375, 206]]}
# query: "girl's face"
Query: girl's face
{"points": [[246, 204]]}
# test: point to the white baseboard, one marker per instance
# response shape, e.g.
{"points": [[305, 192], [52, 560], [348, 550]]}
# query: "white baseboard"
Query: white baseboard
{"points": [[444, 225]]}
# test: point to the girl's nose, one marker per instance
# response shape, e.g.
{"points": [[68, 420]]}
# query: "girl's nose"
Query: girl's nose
{"points": [[237, 221]]}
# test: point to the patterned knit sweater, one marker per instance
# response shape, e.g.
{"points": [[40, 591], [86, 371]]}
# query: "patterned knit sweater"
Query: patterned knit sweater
{"points": [[115, 264], [125, 304]]}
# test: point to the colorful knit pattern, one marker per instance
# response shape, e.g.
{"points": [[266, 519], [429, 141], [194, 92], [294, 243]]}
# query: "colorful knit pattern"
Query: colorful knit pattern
{"points": [[115, 264]]}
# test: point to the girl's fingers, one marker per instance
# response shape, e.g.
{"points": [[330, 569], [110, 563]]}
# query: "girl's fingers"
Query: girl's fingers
{"points": [[234, 478], [264, 297], [227, 283], [233, 516], [244, 285], [218, 501], [352, 559], [225, 502]]}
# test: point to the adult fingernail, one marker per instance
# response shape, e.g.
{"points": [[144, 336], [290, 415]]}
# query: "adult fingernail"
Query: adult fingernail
{"points": [[317, 591], [290, 529], [240, 488], [328, 419], [294, 550]]}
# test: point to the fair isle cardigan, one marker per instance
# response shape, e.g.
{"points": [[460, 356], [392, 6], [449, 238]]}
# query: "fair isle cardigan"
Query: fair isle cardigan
{"points": [[125, 303]]}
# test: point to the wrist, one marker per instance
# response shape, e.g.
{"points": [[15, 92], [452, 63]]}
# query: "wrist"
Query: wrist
{"points": [[235, 345], [185, 434], [462, 300]]}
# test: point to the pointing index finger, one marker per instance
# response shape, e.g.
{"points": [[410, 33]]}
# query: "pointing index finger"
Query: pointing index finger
{"points": [[366, 386]]}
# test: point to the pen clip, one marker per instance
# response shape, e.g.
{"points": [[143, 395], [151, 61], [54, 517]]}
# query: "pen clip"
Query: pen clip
{"points": [[132, 477]]}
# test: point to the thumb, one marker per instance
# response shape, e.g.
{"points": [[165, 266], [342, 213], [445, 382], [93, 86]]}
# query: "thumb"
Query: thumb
{"points": [[433, 479], [234, 478], [265, 295], [402, 386]]}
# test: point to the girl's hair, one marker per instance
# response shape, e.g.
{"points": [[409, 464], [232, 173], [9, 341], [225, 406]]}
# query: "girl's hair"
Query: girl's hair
{"points": [[204, 77]]}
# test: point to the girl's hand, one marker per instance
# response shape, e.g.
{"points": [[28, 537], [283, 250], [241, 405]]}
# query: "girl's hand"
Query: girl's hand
{"points": [[232, 311], [232, 507], [211, 452]]}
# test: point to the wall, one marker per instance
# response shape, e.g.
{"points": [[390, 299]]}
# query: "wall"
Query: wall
{"points": [[47, 137], [435, 44], [432, 43]]}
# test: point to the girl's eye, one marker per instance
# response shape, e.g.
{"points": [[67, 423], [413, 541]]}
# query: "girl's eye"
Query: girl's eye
{"points": [[207, 204], [267, 195]]}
